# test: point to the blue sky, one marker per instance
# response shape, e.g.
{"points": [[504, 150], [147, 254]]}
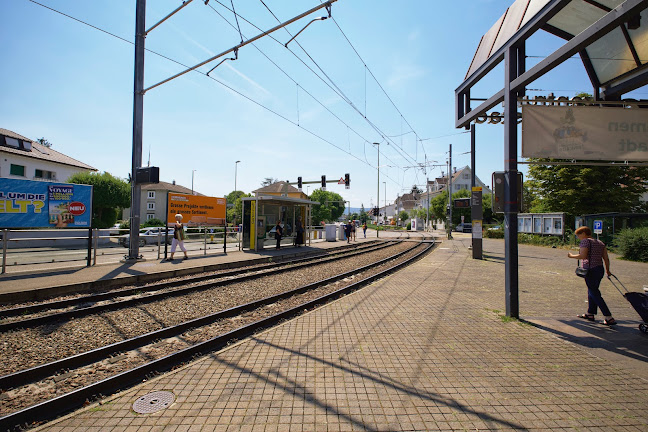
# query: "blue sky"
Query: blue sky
{"points": [[282, 112]]}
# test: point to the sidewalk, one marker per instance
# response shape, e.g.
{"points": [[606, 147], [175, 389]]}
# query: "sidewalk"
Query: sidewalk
{"points": [[424, 349]]}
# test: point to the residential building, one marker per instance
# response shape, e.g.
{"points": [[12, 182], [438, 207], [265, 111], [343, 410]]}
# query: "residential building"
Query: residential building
{"points": [[154, 200], [280, 189], [25, 159]]}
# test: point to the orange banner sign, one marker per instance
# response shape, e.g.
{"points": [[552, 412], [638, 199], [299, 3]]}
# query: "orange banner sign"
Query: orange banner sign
{"points": [[197, 210]]}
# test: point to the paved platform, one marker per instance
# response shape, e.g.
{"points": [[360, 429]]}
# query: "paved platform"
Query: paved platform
{"points": [[424, 349]]}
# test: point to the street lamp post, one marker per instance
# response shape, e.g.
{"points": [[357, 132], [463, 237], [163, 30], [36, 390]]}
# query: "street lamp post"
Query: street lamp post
{"points": [[235, 172], [385, 214], [378, 188], [192, 180]]}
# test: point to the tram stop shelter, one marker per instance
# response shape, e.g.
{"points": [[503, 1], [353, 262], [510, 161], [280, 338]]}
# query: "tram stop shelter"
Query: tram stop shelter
{"points": [[277, 202], [611, 38]]}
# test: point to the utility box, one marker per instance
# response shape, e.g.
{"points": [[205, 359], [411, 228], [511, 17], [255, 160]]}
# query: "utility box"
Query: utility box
{"points": [[330, 231], [147, 175]]}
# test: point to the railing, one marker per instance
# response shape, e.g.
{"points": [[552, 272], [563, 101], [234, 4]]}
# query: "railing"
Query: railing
{"points": [[42, 247]]}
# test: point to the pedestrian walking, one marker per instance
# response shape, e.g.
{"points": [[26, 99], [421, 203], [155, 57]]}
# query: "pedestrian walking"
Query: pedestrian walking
{"points": [[364, 229], [178, 236], [594, 254], [278, 234], [347, 231], [353, 230]]}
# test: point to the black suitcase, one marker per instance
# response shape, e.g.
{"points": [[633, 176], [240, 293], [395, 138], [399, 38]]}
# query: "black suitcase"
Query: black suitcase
{"points": [[639, 302]]}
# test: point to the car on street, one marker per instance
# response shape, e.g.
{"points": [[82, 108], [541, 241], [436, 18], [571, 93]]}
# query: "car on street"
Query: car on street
{"points": [[148, 236], [464, 227]]}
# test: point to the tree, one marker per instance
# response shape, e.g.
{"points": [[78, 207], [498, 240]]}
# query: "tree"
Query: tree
{"points": [[109, 195], [403, 215], [580, 189], [44, 142], [235, 206], [363, 214], [415, 190], [330, 207], [268, 181]]}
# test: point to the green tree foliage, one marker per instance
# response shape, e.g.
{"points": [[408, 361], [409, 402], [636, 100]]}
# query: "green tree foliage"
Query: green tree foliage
{"points": [[403, 215], [268, 181], [330, 207], [235, 212], [109, 195], [438, 206], [152, 223], [579, 190], [363, 214], [44, 142]]}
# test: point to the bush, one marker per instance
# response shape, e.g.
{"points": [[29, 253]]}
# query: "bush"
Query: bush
{"points": [[409, 226], [497, 234], [152, 223], [633, 244]]}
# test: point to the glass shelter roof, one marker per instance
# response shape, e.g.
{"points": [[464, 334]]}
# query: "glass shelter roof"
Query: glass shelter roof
{"points": [[618, 53]]}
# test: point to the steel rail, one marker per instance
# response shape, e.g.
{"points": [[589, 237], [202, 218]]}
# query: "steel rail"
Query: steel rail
{"points": [[94, 298], [49, 409], [149, 298], [36, 373]]}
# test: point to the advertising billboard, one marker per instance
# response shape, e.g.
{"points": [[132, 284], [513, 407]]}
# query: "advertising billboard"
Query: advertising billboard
{"points": [[37, 204], [584, 133], [197, 210]]}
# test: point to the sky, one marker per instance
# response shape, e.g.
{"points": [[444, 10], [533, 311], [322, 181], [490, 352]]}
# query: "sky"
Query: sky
{"points": [[378, 72]]}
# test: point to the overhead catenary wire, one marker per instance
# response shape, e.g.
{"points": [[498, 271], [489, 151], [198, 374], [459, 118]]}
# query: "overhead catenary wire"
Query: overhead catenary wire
{"points": [[210, 77]]}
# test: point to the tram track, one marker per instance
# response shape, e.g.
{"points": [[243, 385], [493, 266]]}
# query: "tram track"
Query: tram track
{"points": [[18, 317], [155, 351]]}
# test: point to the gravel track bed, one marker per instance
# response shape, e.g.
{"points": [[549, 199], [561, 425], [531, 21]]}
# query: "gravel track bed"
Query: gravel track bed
{"points": [[65, 382], [25, 348], [251, 269]]}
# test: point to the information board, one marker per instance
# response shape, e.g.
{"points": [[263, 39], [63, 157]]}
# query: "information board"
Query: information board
{"points": [[197, 209]]}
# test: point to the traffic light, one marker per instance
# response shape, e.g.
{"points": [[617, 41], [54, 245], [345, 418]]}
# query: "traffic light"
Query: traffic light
{"points": [[299, 183], [347, 181], [323, 182]]}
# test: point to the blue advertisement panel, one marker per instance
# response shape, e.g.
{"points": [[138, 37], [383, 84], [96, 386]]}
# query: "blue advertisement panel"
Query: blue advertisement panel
{"points": [[36, 204]]}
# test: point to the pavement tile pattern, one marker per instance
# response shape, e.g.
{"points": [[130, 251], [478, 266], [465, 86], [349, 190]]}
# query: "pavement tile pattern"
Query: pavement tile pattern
{"points": [[425, 349]]}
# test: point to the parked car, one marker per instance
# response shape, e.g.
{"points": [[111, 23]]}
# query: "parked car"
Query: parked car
{"points": [[464, 227], [148, 236], [495, 228]]}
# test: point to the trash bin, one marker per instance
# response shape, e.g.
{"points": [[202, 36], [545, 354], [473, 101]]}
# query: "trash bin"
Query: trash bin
{"points": [[330, 230], [341, 235]]}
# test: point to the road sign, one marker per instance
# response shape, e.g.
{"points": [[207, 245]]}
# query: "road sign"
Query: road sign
{"points": [[598, 227], [341, 180]]}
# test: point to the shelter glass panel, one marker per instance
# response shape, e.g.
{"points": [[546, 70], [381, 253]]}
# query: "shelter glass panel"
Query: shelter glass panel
{"points": [[611, 56], [610, 3], [639, 38], [485, 45], [511, 24], [576, 17], [534, 7]]}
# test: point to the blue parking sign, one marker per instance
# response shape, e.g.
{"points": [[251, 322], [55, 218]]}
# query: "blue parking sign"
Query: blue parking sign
{"points": [[598, 227]]}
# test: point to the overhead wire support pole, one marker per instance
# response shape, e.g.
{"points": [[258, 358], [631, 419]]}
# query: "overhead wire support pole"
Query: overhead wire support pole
{"points": [[249, 41], [185, 3]]}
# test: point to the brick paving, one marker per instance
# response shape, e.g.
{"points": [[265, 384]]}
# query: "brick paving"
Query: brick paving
{"points": [[424, 349]]}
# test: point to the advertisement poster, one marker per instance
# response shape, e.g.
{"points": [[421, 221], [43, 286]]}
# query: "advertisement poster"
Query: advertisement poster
{"points": [[197, 210], [584, 133], [37, 204]]}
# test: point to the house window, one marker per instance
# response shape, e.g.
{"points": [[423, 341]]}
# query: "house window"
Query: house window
{"points": [[42, 174], [150, 206], [150, 216], [151, 194], [17, 170], [466, 176]]}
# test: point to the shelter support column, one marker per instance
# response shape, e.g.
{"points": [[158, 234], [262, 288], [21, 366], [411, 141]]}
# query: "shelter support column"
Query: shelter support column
{"points": [[514, 66]]}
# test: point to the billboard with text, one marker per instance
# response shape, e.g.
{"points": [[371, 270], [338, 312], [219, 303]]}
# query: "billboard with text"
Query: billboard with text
{"points": [[197, 209], [38, 204], [585, 133]]}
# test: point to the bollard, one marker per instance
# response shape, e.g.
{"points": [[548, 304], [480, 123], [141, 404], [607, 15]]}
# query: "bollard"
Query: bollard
{"points": [[89, 257], [5, 235]]}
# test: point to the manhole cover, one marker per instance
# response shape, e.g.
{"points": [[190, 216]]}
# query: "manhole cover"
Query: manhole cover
{"points": [[153, 402]]}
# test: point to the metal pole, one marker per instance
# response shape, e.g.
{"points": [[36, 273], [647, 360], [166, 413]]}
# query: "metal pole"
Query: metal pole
{"points": [[96, 244], [449, 230], [225, 240], [89, 257], [511, 67], [378, 190], [5, 240], [235, 173], [138, 120], [385, 214], [166, 225]]}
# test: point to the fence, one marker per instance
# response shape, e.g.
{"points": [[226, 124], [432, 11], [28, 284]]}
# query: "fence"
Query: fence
{"points": [[29, 247]]}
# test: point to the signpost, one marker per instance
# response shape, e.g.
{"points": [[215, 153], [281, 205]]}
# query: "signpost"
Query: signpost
{"points": [[477, 214], [598, 228]]}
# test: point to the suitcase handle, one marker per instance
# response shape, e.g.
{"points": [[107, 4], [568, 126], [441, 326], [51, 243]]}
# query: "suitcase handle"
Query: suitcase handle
{"points": [[615, 285]]}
